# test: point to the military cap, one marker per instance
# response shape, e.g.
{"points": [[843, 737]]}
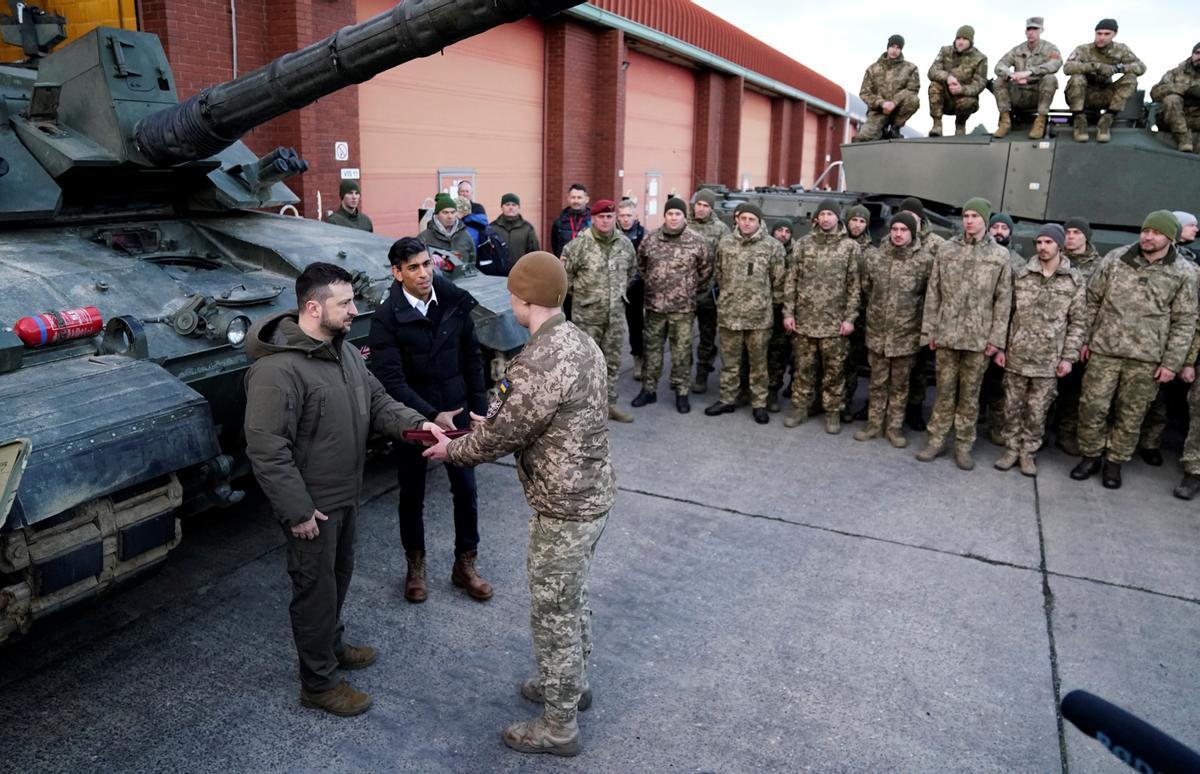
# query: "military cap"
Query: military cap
{"points": [[913, 204], [1081, 224], [858, 211], [907, 218], [706, 196], [675, 203], [1164, 222], [827, 204], [1002, 217], [1106, 24], [444, 201], [965, 31], [1055, 232], [753, 209], [604, 207], [538, 278], [979, 205], [1184, 218], [1034, 22], [348, 186], [510, 198], [896, 40]]}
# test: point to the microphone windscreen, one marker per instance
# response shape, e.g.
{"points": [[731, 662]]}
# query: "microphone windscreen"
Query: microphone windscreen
{"points": [[1129, 738]]}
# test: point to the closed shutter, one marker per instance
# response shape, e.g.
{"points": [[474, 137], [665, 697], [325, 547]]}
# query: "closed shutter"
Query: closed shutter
{"points": [[755, 145], [659, 118]]}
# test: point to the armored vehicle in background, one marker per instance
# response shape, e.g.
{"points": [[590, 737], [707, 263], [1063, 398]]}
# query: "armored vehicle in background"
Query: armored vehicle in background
{"points": [[134, 257]]}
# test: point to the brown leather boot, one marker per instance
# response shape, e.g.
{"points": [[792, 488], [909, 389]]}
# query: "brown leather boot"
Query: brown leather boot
{"points": [[542, 735], [466, 577], [414, 582], [1038, 130], [354, 657], [342, 700], [1004, 127]]}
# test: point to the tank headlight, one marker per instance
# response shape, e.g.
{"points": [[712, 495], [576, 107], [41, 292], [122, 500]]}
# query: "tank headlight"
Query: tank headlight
{"points": [[235, 334]]}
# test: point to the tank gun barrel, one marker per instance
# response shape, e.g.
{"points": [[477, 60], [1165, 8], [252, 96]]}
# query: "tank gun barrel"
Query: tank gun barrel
{"points": [[218, 116]]}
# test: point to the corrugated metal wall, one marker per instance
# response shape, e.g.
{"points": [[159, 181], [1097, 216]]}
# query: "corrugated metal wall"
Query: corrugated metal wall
{"points": [[754, 153]]}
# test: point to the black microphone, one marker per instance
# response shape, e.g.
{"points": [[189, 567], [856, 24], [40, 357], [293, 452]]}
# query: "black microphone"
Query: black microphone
{"points": [[1131, 739]]}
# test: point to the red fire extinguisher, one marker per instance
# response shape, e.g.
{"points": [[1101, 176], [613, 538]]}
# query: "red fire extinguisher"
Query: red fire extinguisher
{"points": [[51, 327]]}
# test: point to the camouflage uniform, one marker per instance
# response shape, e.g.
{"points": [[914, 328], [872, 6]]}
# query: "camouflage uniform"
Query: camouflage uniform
{"points": [[1043, 61], [856, 354], [1179, 94], [1191, 446], [714, 230], [1091, 87], [750, 272], [1143, 315], [673, 267], [894, 288], [779, 348], [1049, 320], [918, 381], [888, 80], [967, 306], [970, 68], [820, 292], [598, 271], [1069, 387], [552, 414]]}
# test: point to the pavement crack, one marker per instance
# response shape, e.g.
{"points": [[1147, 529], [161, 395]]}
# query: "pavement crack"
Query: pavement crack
{"points": [[1048, 607]]}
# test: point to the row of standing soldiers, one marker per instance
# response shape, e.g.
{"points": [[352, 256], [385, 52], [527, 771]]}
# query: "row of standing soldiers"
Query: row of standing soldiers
{"points": [[1102, 76], [1130, 316]]}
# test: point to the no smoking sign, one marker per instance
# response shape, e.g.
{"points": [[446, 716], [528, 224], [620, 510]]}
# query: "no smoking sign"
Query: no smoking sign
{"points": [[341, 151]]}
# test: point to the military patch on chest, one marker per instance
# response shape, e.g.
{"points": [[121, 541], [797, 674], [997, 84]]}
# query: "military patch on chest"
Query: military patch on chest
{"points": [[503, 390]]}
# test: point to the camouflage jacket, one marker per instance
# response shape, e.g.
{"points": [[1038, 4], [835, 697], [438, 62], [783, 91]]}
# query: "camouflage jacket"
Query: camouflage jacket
{"points": [[1049, 319], [969, 67], [714, 230], [1183, 80], [1043, 60], [822, 286], [675, 267], [929, 238], [1097, 63], [750, 271], [894, 287], [598, 271], [969, 298], [1086, 262], [1140, 310], [1015, 259], [889, 80], [553, 414]]}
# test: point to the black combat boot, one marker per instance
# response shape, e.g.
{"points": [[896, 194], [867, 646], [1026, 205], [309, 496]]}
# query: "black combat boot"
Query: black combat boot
{"points": [[1087, 467], [1152, 457], [1189, 487], [761, 416], [644, 397], [719, 408], [1111, 477], [914, 417], [682, 404]]}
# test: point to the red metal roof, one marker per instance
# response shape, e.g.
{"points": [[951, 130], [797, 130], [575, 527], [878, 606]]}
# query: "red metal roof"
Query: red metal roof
{"points": [[692, 24]]}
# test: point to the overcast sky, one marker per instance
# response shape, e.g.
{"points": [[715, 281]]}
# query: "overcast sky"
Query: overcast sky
{"points": [[839, 40]]}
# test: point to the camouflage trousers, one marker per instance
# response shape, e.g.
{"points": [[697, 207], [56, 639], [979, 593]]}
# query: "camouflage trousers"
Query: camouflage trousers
{"points": [[941, 101], [1191, 447], [831, 354], [956, 402], [1026, 401], [1179, 115], [754, 343], [779, 352], [1083, 93], [1127, 385], [1035, 96], [676, 328], [877, 120], [706, 329], [610, 336], [889, 390], [560, 556], [1155, 423]]}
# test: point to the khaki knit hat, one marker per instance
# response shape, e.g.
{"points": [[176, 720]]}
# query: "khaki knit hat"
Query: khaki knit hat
{"points": [[965, 31], [1164, 222], [539, 278]]}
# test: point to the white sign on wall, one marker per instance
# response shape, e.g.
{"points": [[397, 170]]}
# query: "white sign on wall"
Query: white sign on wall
{"points": [[341, 151], [350, 173]]}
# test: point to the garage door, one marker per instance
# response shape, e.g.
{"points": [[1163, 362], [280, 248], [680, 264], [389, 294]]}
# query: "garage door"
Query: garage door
{"points": [[474, 111], [755, 145], [659, 116], [812, 130]]}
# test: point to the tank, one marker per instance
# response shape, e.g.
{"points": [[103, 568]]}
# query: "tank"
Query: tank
{"points": [[116, 196], [1113, 185]]}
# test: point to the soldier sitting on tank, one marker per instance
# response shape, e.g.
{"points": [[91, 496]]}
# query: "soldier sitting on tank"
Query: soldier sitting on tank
{"points": [[446, 230], [1091, 87], [1025, 80], [891, 87], [1179, 94], [956, 78], [349, 214]]}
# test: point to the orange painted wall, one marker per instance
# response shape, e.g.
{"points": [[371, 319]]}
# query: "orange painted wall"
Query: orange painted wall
{"points": [[478, 105], [755, 144], [82, 16], [659, 118]]}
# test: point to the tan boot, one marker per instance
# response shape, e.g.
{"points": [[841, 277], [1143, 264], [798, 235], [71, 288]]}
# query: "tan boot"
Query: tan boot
{"points": [[896, 438], [414, 582], [960, 126], [618, 414], [1004, 127], [542, 735], [833, 422], [1006, 461], [962, 458], [353, 657], [936, 129], [343, 700], [867, 433], [1028, 466], [465, 576], [931, 451], [532, 689], [1104, 128], [1183, 142], [798, 417], [1038, 130], [1079, 128]]}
